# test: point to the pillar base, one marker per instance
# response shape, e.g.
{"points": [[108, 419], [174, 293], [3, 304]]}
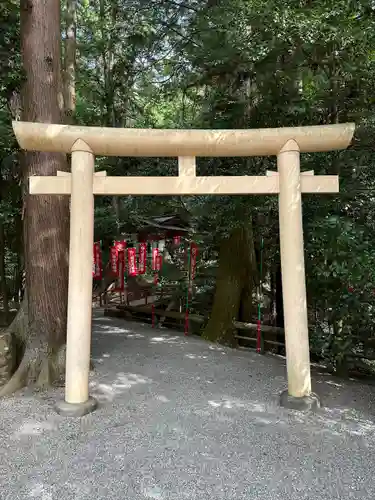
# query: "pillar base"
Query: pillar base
{"points": [[76, 409], [304, 403]]}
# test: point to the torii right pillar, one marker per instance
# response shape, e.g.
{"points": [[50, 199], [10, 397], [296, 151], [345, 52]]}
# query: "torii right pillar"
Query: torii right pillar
{"points": [[298, 395]]}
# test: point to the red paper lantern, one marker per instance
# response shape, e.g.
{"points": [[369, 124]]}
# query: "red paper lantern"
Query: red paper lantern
{"points": [[97, 261], [142, 261], [115, 251], [193, 259], [132, 262], [155, 255], [159, 262]]}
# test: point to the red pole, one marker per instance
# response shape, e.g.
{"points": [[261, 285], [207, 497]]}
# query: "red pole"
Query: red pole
{"points": [[259, 335], [187, 311], [156, 281], [157, 260], [192, 251]]}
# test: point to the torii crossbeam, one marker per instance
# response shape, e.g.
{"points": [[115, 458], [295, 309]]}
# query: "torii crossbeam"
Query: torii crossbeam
{"points": [[82, 184]]}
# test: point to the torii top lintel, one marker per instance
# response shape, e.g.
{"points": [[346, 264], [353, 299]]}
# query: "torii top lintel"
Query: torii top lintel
{"points": [[173, 143]]}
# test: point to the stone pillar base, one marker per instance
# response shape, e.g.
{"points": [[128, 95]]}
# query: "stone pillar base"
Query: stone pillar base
{"points": [[305, 403], [76, 409]]}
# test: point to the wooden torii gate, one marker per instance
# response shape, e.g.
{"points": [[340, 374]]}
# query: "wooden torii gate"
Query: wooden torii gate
{"points": [[82, 184]]}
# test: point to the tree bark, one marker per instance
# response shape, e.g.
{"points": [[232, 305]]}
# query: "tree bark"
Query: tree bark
{"points": [[234, 274], [107, 24], [46, 218], [70, 61], [18, 289], [4, 288], [116, 212], [247, 303]]}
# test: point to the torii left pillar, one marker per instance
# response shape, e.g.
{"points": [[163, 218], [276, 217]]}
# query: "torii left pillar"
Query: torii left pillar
{"points": [[78, 346]]}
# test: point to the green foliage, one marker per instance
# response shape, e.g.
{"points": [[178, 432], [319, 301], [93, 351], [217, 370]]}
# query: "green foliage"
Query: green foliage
{"points": [[341, 281]]}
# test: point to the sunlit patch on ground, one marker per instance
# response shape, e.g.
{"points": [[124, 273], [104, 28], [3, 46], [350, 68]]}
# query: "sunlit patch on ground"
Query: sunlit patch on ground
{"points": [[34, 428], [122, 382], [168, 339]]}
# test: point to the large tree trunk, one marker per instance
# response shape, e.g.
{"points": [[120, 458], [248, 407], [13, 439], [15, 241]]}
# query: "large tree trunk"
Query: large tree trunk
{"points": [[46, 218], [246, 312], [250, 261], [108, 19], [18, 288], [4, 287], [234, 277], [70, 61]]}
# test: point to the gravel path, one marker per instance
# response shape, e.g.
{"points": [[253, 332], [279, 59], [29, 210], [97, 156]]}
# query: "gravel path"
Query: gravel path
{"points": [[183, 419]]}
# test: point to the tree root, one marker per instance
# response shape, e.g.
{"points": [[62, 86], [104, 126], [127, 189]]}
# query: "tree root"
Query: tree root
{"points": [[39, 367], [37, 364], [18, 381]]}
